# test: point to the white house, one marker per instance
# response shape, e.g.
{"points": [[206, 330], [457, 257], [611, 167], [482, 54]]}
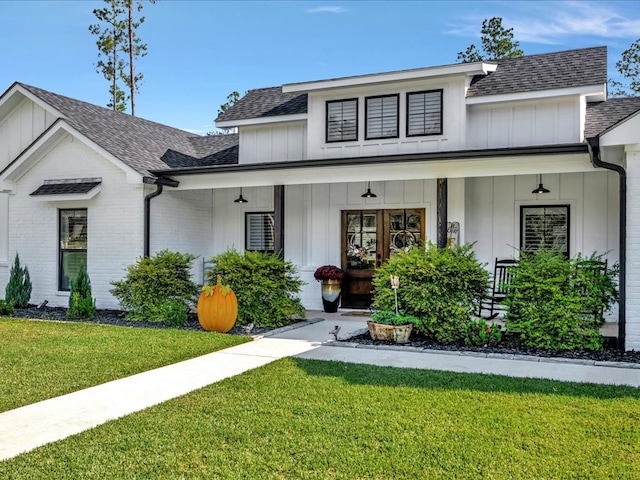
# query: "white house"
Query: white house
{"points": [[450, 153]]}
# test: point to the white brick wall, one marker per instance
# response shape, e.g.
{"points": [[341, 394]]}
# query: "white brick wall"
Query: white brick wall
{"points": [[115, 228], [632, 341]]}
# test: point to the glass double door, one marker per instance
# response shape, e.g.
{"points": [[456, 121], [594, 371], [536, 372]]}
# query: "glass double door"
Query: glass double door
{"points": [[369, 237]]}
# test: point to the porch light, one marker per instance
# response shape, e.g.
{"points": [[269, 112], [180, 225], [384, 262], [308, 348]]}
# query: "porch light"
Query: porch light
{"points": [[540, 188], [369, 193], [241, 199]]}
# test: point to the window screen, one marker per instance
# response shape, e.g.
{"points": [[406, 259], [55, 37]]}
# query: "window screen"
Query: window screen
{"points": [[545, 227], [342, 120], [424, 113], [382, 117], [260, 231]]}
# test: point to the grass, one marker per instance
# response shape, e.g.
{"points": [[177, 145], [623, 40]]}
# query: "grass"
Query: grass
{"points": [[309, 419], [42, 360]]}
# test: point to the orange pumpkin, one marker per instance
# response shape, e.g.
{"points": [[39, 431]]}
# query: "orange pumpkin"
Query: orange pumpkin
{"points": [[217, 308]]}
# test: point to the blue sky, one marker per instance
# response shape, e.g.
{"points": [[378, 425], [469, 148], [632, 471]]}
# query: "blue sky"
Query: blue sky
{"points": [[199, 51]]}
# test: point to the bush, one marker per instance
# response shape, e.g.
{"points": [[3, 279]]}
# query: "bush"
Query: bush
{"points": [[441, 287], [264, 284], [175, 313], [557, 303], [6, 307], [153, 282], [19, 287], [387, 317], [81, 303], [481, 333]]}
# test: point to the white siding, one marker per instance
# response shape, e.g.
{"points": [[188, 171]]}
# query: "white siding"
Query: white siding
{"points": [[114, 223], [523, 124], [281, 142], [4, 229], [633, 249]]}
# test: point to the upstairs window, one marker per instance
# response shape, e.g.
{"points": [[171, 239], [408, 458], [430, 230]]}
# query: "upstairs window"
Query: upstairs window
{"points": [[342, 120], [545, 227], [260, 232], [382, 117], [424, 113]]}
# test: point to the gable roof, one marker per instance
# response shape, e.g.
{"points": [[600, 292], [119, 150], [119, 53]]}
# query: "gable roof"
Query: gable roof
{"points": [[265, 102], [139, 143], [603, 115], [546, 71]]}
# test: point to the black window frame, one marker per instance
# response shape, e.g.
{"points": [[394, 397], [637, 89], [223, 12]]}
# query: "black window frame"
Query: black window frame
{"points": [[342, 139], [408, 113], [246, 231], [62, 250], [366, 116], [567, 207]]}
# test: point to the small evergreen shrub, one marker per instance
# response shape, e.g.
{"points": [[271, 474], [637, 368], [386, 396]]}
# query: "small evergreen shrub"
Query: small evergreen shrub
{"points": [[19, 287], [480, 333], [175, 313], [81, 303], [388, 317], [557, 303], [440, 286], [6, 307], [154, 282], [264, 284]]}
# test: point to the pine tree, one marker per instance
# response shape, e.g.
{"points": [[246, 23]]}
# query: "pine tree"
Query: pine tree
{"points": [[497, 42], [81, 303], [19, 287]]}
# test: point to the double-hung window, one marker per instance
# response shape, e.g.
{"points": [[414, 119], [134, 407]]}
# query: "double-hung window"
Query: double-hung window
{"points": [[382, 117], [342, 120], [424, 113], [260, 231], [72, 227], [545, 227]]}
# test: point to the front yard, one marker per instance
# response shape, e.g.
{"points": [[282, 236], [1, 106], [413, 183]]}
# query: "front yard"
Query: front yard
{"points": [[310, 419]]}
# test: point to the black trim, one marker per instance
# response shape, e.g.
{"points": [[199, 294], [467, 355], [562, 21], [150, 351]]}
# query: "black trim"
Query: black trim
{"points": [[574, 148], [61, 250], [441, 114], [366, 117], [246, 231], [159, 182], [326, 119], [596, 160]]}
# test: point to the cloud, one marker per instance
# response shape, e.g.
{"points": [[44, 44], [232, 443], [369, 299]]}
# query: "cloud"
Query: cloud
{"points": [[327, 10]]}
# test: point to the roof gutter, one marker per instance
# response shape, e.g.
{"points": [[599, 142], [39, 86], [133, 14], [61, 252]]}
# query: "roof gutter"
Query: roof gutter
{"points": [[596, 160], [159, 182]]}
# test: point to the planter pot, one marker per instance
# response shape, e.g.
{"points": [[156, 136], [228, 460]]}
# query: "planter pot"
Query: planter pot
{"points": [[390, 333], [330, 295]]}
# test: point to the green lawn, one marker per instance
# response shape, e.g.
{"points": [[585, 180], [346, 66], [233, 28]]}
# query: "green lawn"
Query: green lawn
{"points": [[40, 360], [309, 419]]}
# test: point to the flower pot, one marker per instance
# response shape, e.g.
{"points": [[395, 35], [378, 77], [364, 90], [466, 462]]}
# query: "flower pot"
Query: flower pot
{"points": [[390, 333], [330, 295]]}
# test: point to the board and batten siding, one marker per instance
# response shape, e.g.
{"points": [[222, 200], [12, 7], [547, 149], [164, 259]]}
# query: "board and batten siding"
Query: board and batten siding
{"points": [[4, 229], [280, 142], [523, 124], [115, 223]]}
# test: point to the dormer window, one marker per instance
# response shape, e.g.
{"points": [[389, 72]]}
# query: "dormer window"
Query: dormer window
{"points": [[342, 120], [382, 117], [424, 113]]}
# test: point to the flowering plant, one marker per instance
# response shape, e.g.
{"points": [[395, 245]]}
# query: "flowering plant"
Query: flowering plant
{"points": [[328, 272]]}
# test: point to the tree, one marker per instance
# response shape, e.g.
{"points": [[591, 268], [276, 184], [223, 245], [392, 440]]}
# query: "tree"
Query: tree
{"points": [[232, 99], [497, 42], [119, 36], [628, 67]]}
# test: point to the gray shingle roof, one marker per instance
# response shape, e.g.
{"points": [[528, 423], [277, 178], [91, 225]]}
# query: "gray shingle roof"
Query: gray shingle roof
{"points": [[571, 68], [603, 115], [65, 188], [137, 142], [265, 102]]}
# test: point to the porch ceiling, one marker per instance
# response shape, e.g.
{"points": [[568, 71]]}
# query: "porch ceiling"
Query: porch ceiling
{"points": [[574, 158]]}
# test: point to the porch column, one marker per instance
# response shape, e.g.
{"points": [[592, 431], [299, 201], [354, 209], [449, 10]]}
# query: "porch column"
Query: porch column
{"points": [[278, 219], [632, 327], [441, 203]]}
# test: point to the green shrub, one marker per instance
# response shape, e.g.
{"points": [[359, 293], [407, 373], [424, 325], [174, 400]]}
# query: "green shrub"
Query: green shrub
{"points": [[441, 287], [388, 317], [6, 307], [557, 303], [480, 333], [19, 287], [264, 284], [81, 303], [175, 313], [153, 282]]}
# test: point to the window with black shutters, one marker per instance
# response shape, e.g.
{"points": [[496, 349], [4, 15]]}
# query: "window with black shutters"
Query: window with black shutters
{"points": [[342, 120], [382, 117], [424, 113], [259, 231], [545, 227]]}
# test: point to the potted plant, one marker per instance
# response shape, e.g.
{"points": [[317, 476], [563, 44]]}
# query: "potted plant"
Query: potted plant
{"points": [[390, 326], [331, 278]]}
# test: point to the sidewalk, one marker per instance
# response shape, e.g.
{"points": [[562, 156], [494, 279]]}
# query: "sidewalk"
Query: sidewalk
{"points": [[28, 427]]}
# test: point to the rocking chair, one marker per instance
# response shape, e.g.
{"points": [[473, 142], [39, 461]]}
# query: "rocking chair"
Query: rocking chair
{"points": [[502, 275]]}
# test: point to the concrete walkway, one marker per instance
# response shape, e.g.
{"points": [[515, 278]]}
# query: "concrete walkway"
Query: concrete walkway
{"points": [[28, 427]]}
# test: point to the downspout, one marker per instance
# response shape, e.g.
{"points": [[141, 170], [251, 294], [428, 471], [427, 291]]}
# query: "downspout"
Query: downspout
{"points": [[159, 182], [596, 160]]}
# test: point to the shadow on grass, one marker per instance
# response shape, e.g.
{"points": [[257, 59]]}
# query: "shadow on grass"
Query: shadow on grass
{"points": [[359, 374]]}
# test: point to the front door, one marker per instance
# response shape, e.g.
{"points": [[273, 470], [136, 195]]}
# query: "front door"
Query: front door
{"points": [[369, 237]]}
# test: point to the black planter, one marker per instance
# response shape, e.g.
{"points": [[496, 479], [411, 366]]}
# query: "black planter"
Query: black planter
{"points": [[330, 295]]}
